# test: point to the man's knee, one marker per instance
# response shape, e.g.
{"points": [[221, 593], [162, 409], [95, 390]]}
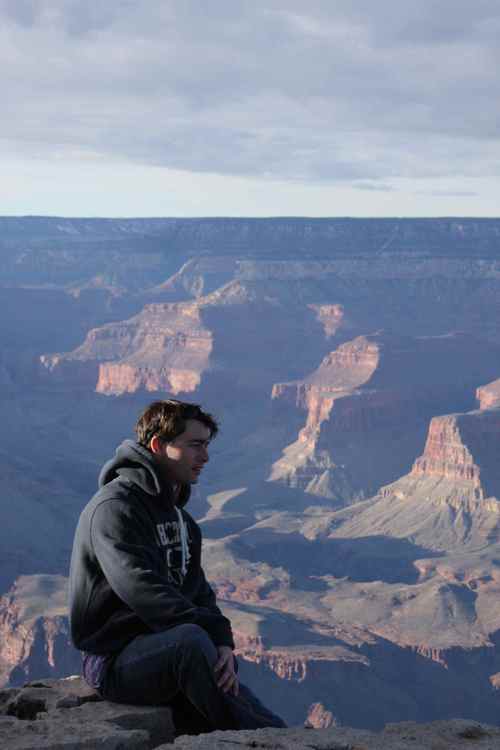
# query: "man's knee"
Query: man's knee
{"points": [[192, 639]]}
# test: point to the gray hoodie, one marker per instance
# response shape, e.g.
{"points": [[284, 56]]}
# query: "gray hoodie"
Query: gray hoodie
{"points": [[136, 562]]}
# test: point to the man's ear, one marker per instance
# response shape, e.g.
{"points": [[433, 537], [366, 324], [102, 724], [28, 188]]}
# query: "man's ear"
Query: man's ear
{"points": [[155, 445]]}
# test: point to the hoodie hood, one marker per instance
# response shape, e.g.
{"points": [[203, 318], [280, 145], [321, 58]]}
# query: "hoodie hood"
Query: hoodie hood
{"points": [[138, 466]]}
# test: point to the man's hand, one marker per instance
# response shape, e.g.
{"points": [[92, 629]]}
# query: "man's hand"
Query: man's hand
{"points": [[225, 675]]}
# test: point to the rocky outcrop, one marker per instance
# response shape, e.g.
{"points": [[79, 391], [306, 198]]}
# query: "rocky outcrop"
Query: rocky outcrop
{"points": [[67, 715], [319, 717], [370, 397], [464, 449], [34, 632], [351, 365], [332, 317], [164, 348], [443, 735], [489, 395], [172, 347], [196, 278]]}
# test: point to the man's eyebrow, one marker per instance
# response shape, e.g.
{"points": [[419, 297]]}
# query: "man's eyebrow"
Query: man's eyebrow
{"points": [[199, 441]]}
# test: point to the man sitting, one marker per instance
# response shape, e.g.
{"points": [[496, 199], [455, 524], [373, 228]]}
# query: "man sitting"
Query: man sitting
{"points": [[141, 609]]}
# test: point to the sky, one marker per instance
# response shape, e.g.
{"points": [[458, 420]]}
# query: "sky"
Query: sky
{"points": [[250, 108]]}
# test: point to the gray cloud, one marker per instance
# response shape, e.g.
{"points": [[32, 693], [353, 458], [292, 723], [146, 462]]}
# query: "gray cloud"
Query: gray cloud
{"points": [[373, 187], [324, 92], [449, 193]]}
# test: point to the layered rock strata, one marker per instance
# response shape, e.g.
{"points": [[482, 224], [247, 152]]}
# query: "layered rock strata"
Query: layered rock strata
{"points": [[197, 277], [164, 348], [173, 346], [34, 631], [464, 449], [370, 398]]}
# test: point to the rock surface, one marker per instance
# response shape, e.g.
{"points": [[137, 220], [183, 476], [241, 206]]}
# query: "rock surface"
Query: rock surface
{"points": [[489, 395], [164, 348], [34, 633], [440, 735], [465, 449], [174, 346], [68, 715], [372, 397]]}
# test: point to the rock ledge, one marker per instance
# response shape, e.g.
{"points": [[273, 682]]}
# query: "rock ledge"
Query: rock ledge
{"points": [[68, 715]]}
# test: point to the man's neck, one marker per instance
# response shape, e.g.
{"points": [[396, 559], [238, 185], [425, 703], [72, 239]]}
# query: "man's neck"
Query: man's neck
{"points": [[174, 487]]}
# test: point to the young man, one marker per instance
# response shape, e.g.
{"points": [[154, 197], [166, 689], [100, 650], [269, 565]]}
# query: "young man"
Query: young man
{"points": [[141, 610]]}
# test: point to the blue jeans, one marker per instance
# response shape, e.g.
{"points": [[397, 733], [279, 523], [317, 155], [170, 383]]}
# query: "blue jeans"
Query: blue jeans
{"points": [[176, 667]]}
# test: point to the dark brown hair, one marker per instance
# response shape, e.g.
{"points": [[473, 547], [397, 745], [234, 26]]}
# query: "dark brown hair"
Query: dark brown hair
{"points": [[167, 419]]}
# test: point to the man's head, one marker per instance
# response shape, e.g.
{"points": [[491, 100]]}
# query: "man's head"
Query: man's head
{"points": [[178, 434]]}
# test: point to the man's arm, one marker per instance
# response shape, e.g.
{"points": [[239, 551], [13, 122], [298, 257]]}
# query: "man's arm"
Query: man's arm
{"points": [[205, 595], [128, 555], [206, 598]]}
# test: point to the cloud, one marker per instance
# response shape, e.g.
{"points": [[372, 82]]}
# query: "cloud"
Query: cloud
{"points": [[373, 187], [345, 92], [449, 193]]}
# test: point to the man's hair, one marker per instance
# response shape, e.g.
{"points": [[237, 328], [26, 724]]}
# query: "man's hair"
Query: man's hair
{"points": [[167, 419]]}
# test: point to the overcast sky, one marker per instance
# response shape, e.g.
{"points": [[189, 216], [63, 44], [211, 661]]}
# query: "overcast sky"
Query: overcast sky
{"points": [[243, 107]]}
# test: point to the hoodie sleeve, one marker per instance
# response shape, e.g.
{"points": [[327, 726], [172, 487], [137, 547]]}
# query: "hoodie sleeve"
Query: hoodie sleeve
{"points": [[206, 598], [126, 550], [205, 595]]}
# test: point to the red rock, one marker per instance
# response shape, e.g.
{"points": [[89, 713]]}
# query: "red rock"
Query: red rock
{"points": [[464, 448], [34, 635], [369, 398], [319, 717], [332, 317], [166, 347], [489, 395], [171, 347]]}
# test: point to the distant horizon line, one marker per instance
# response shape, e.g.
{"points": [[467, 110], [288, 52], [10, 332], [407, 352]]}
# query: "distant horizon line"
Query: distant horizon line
{"points": [[252, 218]]}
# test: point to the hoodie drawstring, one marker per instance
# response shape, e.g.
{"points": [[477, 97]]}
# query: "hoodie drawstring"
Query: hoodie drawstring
{"points": [[186, 555]]}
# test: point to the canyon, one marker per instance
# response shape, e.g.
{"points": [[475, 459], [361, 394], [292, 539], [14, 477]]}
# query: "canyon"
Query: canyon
{"points": [[351, 506]]}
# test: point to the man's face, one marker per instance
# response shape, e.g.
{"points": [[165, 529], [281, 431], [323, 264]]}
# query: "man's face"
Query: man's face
{"points": [[184, 458]]}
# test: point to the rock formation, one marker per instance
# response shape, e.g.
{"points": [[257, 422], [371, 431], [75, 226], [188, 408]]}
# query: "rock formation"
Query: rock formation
{"points": [[489, 395], [173, 347], [196, 278], [67, 715], [34, 635], [370, 398], [164, 348], [440, 735], [465, 450], [319, 717]]}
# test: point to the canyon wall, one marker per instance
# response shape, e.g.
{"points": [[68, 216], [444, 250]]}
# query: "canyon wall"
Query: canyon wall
{"points": [[373, 397]]}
